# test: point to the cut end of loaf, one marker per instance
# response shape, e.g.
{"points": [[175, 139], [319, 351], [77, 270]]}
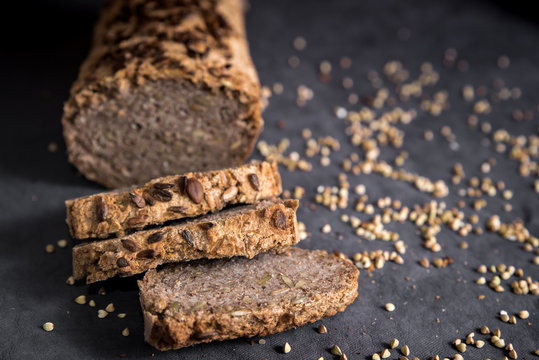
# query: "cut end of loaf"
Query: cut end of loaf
{"points": [[225, 299], [161, 127]]}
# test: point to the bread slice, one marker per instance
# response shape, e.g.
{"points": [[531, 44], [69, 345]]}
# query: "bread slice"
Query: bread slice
{"points": [[186, 304], [245, 230], [168, 87], [171, 198]]}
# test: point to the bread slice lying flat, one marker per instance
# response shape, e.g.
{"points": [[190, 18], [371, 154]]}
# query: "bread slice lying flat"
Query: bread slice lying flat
{"points": [[171, 198], [207, 300], [245, 230]]}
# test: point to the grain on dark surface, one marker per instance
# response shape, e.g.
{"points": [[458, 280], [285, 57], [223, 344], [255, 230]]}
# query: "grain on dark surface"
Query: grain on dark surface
{"points": [[36, 181]]}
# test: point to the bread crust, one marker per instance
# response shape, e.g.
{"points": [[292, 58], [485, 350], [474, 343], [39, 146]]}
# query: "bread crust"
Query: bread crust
{"points": [[166, 332], [137, 41], [130, 209], [241, 231]]}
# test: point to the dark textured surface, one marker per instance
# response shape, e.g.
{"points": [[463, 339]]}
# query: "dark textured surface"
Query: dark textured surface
{"points": [[37, 71]]}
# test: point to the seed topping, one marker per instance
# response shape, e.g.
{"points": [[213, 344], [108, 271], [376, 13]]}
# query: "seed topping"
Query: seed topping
{"points": [[122, 262], [146, 254], [206, 225], [149, 199], [253, 180], [137, 200], [101, 209], [182, 184], [194, 190], [163, 186], [162, 195], [279, 219], [155, 237], [130, 245], [137, 220], [187, 236], [230, 193]]}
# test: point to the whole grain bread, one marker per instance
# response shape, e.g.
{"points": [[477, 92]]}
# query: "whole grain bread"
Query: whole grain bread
{"points": [[186, 304], [168, 87], [245, 230], [171, 198]]}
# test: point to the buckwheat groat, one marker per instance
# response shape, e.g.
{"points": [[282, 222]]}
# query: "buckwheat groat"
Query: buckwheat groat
{"points": [[168, 87], [171, 198], [246, 230], [209, 300]]}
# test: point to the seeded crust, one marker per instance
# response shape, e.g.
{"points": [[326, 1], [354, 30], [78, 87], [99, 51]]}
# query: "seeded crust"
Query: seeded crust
{"points": [[163, 79], [245, 230], [119, 210], [199, 302]]}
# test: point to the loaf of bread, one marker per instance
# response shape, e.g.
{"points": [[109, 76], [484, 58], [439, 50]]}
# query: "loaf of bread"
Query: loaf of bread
{"points": [[244, 230], [168, 87], [171, 198], [209, 300]]}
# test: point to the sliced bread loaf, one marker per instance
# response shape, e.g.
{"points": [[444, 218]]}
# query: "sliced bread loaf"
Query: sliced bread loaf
{"points": [[168, 87], [207, 300], [244, 230], [171, 198]]}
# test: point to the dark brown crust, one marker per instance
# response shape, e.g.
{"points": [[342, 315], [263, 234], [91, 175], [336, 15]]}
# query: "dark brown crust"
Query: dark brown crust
{"points": [[136, 41], [124, 210], [166, 332], [242, 231]]}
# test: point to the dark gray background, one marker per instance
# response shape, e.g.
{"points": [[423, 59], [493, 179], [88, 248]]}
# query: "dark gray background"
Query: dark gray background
{"points": [[43, 43]]}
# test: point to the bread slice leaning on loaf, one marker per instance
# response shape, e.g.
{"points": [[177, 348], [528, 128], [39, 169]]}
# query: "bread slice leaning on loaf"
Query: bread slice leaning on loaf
{"points": [[171, 198], [210, 300], [244, 230], [168, 87]]}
